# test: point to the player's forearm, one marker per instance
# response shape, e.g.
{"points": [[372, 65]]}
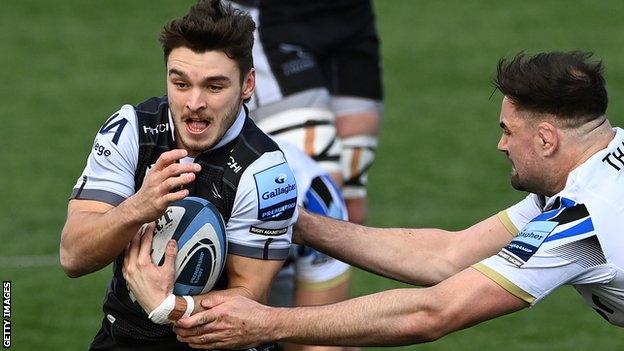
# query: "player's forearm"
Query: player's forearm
{"points": [[417, 256], [390, 318], [91, 240]]}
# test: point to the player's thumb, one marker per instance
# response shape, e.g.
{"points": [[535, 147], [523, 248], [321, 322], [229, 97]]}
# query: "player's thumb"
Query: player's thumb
{"points": [[211, 301], [170, 254]]}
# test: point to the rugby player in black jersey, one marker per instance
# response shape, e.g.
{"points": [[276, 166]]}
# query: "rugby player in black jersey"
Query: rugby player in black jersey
{"points": [[197, 140]]}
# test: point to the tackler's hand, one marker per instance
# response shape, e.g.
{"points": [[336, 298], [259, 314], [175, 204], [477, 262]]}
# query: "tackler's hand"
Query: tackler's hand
{"points": [[230, 322]]}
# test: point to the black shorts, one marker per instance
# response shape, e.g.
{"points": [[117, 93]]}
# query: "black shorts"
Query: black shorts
{"points": [[337, 49], [108, 339]]}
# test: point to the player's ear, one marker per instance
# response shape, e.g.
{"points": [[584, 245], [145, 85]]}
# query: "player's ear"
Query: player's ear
{"points": [[249, 84], [548, 138]]}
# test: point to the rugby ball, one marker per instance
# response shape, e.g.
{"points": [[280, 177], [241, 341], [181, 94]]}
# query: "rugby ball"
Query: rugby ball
{"points": [[199, 229]]}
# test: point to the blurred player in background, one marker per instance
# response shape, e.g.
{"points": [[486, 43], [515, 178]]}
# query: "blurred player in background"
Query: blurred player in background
{"points": [[318, 84], [310, 277]]}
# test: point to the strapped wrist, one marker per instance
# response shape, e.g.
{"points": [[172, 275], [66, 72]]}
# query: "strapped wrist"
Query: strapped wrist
{"points": [[172, 308]]}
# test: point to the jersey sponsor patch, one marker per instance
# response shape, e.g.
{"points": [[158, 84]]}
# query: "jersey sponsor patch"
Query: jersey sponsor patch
{"points": [[527, 242], [114, 125], [565, 218], [277, 193], [268, 231], [100, 149]]}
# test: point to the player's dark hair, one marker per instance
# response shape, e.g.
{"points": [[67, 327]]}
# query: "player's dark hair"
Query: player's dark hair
{"points": [[212, 25], [564, 84]]}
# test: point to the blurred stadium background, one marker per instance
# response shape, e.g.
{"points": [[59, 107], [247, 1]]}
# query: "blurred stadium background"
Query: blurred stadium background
{"points": [[68, 64]]}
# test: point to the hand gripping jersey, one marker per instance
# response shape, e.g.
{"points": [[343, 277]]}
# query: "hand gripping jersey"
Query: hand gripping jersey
{"points": [[245, 176], [575, 237]]}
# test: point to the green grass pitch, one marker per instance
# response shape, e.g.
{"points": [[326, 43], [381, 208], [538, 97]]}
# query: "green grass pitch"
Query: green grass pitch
{"points": [[68, 64]]}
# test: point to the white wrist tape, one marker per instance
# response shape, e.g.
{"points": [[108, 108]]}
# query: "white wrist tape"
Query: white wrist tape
{"points": [[163, 313], [160, 314], [190, 306]]}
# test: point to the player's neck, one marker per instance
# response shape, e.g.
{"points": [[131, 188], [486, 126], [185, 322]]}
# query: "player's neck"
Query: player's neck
{"points": [[583, 148], [592, 142]]}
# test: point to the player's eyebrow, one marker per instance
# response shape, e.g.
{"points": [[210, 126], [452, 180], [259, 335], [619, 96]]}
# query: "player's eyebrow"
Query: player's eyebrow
{"points": [[175, 71], [216, 79], [205, 81], [503, 125]]}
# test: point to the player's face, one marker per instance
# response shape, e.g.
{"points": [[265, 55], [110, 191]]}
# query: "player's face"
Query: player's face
{"points": [[518, 142], [205, 96]]}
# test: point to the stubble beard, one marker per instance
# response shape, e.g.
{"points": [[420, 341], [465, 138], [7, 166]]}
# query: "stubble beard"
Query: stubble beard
{"points": [[536, 186], [516, 182], [195, 147]]}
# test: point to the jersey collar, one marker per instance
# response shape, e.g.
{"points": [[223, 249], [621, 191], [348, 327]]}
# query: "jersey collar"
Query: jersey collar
{"points": [[233, 131]]}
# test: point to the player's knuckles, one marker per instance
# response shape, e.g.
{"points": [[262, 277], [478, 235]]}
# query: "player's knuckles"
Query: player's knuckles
{"points": [[203, 320], [143, 262], [153, 178], [128, 272], [173, 183], [168, 157], [173, 170], [168, 184]]}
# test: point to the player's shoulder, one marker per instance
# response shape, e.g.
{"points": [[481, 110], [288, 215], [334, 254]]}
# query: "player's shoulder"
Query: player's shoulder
{"points": [[119, 127], [120, 131], [255, 141], [299, 159], [267, 173], [253, 150]]}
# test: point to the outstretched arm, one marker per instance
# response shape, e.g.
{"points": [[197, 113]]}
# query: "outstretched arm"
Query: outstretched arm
{"points": [[416, 256], [389, 318]]}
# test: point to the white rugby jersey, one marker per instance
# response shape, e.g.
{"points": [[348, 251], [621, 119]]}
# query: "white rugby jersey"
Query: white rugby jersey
{"points": [[314, 269], [575, 237], [111, 165]]}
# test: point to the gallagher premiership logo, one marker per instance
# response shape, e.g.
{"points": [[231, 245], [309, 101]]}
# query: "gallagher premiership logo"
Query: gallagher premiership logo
{"points": [[277, 193]]}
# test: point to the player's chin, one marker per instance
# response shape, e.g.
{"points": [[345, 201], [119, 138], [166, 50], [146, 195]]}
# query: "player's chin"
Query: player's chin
{"points": [[197, 145], [517, 183]]}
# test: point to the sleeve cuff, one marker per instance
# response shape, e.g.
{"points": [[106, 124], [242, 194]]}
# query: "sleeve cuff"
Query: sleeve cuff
{"points": [[504, 283], [96, 195], [504, 218], [261, 253], [324, 285]]}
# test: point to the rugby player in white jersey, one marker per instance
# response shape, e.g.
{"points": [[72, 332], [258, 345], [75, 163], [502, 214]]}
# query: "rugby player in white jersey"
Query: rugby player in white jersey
{"points": [[197, 140], [563, 151]]}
